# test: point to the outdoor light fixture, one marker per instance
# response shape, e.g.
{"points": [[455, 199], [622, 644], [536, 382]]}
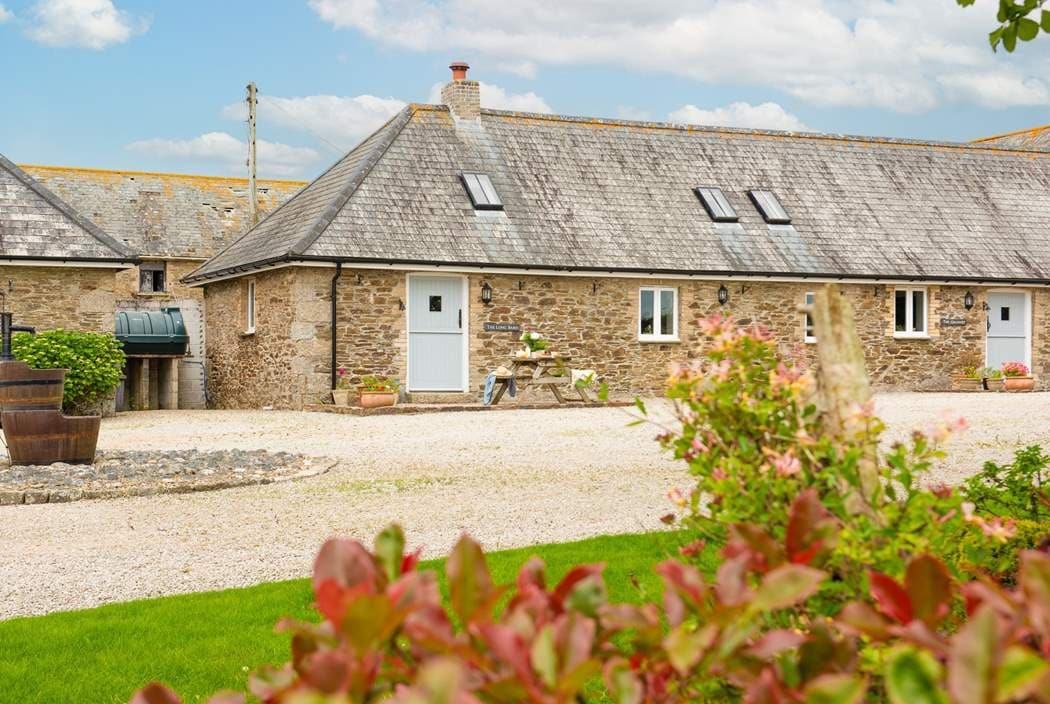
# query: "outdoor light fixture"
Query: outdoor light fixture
{"points": [[486, 293], [968, 301], [723, 294]]}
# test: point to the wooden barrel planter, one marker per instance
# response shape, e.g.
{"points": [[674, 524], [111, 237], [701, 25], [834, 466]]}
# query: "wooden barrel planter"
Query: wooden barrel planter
{"points": [[25, 389], [46, 437]]}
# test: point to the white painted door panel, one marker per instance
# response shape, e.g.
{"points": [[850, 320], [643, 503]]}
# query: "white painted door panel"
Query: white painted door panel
{"points": [[1007, 328], [435, 333]]}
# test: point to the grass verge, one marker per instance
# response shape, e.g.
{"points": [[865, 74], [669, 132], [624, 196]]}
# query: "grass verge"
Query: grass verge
{"points": [[200, 643]]}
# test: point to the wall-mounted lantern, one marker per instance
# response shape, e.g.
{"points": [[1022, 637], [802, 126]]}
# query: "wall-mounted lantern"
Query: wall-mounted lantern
{"points": [[723, 295], [968, 301], [486, 293]]}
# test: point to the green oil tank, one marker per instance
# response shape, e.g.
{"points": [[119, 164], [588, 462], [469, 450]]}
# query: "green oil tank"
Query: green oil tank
{"points": [[152, 332]]}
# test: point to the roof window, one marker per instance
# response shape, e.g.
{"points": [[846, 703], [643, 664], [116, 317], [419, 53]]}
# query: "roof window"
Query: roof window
{"points": [[770, 208], [716, 204], [482, 193]]}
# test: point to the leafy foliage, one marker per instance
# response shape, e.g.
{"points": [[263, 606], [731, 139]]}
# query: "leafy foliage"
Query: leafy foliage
{"points": [[750, 430], [385, 635], [1015, 490], [95, 361], [1018, 20], [379, 383]]}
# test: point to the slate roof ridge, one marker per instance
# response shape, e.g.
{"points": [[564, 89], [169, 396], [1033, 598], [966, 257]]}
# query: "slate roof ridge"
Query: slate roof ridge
{"points": [[123, 253], [168, 174], [741, 131], [1026, 131], [394, 126], [405, 112]]}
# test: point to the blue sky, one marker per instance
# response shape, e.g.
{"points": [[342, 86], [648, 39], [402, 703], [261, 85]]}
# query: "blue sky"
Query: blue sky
{"points": [[155, 85]]}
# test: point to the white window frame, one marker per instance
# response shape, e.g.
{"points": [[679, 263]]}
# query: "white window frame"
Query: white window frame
{"points": [[657, 334], [808, 337], [249, 307], [909, 321]]}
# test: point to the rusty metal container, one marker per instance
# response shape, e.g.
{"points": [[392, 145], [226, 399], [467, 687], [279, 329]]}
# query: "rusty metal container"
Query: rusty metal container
{"points": [[46, 437], [26, 389]]}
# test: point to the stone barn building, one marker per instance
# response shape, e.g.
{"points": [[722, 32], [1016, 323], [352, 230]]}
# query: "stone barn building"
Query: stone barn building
{"points": [[420, 253], [57, 268], [173, 223]]}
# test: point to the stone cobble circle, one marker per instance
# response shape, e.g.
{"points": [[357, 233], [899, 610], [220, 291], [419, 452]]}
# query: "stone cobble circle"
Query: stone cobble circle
{"points": [[118, 473]]}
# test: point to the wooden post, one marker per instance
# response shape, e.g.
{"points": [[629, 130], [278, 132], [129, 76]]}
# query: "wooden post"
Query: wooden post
{"points": [[842, 379], [253, 197]]}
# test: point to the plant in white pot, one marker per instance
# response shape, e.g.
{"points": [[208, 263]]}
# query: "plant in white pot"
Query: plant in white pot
{"points": [[534, 343], [341, 392]]}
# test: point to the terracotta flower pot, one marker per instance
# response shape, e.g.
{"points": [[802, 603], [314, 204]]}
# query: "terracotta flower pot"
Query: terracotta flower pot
{"points": [[341, 397], [376, 399], [1019, 383]]}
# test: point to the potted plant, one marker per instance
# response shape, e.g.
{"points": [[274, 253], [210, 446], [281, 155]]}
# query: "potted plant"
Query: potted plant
{"points": [[1016, 377], [992, 378], [970, 377], [377, 391], [341, 392], [534, 343]]}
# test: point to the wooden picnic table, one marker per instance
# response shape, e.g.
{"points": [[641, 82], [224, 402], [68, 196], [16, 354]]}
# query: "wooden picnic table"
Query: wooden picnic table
{"points": [[550, 370]]}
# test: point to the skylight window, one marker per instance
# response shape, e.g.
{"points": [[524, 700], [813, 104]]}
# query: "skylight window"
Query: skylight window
{"points": [[716, 204], [482, 193], [770, 208]]}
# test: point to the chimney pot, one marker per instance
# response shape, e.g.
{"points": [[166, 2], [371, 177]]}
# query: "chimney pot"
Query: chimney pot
{"points": [[459, 70]]}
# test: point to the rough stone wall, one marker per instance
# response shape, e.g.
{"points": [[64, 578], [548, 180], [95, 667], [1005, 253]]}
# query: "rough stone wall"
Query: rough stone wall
{"points": [[279, 364], [128, 282], [66, 297], [594, 320]]}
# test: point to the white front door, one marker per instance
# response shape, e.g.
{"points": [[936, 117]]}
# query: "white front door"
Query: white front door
{"points": [[1008, 328], [436, 339]]}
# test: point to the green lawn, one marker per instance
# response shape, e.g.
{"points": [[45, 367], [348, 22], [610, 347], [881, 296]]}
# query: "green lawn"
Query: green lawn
{"points": [[199, 643]]}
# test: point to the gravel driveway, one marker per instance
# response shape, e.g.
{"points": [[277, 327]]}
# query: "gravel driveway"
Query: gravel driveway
{"points": [[509, 478]]}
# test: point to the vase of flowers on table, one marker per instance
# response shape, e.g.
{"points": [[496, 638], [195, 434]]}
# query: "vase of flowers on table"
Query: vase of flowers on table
{"points": [[534, 343], [1016, 377], [341, 392]]}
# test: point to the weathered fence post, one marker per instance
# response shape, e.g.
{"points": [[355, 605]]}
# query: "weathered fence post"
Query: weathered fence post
{"points": [[842, 378]]}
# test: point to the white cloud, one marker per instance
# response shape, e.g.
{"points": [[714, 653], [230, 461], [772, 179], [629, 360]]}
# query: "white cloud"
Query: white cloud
{"points": [[84, 24], [882, 53], [629, 112], [493, 96], [768, 116], [996, 90], [275, 159], [340, 121], [5, 14]]}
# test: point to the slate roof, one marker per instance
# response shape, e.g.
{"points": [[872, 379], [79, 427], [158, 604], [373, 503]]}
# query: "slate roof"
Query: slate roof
{"points": [[610, 195], [37, 224], [163, 215], [1031, 138]]}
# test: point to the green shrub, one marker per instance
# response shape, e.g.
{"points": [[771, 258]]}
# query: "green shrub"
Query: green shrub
{"points": [[969, 545], [95, 362], [1013, 490]]}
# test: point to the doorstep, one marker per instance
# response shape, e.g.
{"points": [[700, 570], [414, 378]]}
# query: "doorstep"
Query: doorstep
{"points": [[405, 408]]}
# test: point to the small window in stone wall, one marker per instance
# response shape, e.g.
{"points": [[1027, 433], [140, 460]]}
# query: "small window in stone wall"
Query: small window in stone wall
{"points": [[807, 320], [249, 307], [909, 312], [658, 314], [152, 277]]}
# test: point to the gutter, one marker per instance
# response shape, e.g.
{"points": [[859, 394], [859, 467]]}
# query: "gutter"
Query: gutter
{"points": [[376, 262], [335, 284]]}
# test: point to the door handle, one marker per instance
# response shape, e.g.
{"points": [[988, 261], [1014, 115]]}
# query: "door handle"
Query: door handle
{"points": [[460, 321]]}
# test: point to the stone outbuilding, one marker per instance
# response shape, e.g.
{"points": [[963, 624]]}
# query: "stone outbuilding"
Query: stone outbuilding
{"points": [[57, 268], [423, 252], [174, 223]]}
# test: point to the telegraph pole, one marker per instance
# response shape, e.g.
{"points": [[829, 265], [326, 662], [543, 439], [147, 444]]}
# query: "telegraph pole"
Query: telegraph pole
{"points": [[253, 197]]}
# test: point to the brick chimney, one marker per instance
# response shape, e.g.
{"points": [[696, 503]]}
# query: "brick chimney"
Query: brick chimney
{"points": [[462, 96]]}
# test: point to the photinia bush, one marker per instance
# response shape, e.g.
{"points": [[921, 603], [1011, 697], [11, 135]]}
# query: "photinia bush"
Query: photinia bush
{"points": [[386, 636]]}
